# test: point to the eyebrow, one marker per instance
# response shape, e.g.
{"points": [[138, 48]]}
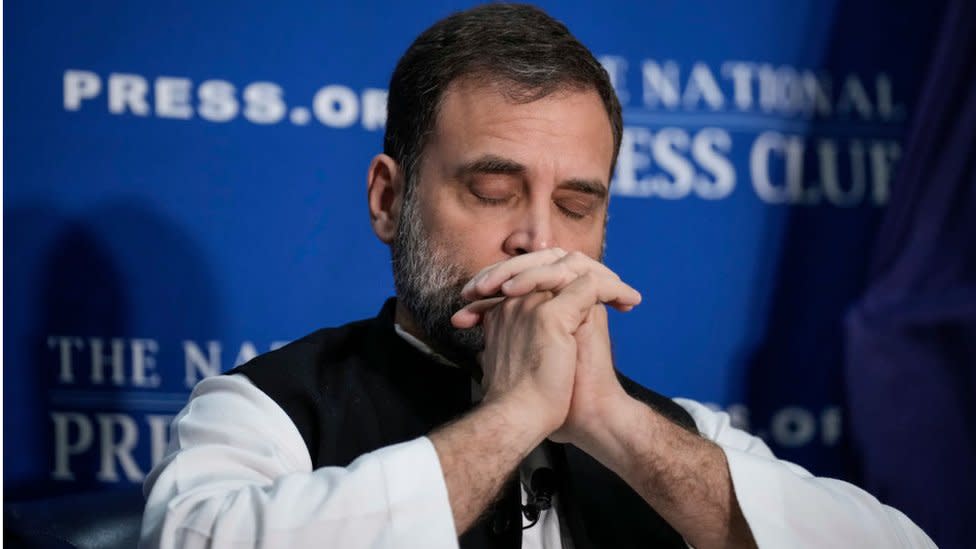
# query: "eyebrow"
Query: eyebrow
{"points": [[494, 164], [490, 163], [587, 186]]}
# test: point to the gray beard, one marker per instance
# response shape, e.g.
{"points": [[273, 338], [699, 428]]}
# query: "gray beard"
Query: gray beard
{"points": [[428, 286]]}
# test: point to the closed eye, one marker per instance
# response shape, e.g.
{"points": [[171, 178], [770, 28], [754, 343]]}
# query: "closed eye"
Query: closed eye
{"points": [[570, 213], [576, 205], [492, 189], [489, 200]]}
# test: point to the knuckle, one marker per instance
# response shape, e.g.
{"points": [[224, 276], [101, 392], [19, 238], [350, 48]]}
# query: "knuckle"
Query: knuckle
{"points": [[479, 284], [544, 314], [546, 302], [564, 273], [576, 256], [537, 299]]}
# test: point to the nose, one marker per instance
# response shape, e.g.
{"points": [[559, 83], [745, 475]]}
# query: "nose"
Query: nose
{"points": [[532, 231]]}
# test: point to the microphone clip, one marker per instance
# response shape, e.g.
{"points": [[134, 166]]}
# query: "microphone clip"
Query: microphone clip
{"points": [[540, 490]]}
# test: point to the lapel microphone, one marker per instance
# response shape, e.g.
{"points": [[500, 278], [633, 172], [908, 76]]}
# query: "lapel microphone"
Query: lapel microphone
{"points": [[539, 481]]}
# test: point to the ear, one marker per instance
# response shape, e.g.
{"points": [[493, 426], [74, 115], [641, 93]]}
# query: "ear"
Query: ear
{"points": [[384, 194]]}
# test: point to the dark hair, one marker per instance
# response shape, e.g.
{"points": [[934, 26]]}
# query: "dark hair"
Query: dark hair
{"points": [[515, 44]]}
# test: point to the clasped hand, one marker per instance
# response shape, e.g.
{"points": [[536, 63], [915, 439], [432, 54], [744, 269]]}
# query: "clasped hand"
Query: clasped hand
{"points": [[547, 345]]}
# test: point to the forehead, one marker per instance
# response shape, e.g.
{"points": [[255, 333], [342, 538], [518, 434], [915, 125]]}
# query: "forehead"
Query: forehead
{"points": [[568, 130]]}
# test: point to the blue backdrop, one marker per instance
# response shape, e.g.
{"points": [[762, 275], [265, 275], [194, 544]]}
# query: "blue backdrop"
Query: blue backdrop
{"points": [[185, 188]]}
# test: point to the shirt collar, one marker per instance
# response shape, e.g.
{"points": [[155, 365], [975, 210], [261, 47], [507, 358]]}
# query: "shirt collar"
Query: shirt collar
{"points": [[422, 347]]}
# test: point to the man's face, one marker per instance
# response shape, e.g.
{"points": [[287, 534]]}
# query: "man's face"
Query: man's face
{"points": [[498, 179]]}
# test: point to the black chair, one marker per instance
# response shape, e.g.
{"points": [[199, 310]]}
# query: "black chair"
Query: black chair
{"points": [[103, 520]]}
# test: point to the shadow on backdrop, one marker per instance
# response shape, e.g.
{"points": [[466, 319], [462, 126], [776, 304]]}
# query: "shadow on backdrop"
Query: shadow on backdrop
{"points": [[911, 356], [798, 366], [118, 271]]}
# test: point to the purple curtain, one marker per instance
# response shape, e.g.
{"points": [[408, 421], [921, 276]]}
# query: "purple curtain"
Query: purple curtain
{"points": [[911, 339]]}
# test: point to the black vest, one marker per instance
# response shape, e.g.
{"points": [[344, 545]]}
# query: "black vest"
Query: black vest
{"points": [[356, 388]]}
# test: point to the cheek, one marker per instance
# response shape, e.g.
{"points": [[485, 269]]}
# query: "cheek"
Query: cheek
{"points": [[465, 241], [477, 248], [461, 230], [587, 239]]}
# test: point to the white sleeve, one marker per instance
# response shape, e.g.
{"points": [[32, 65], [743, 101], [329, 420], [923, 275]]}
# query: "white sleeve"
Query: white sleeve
{"points": [[786, 506], [238, 474]]}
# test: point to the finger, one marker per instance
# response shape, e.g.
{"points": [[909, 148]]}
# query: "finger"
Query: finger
{"points": [[628, 297], [552, 277], [625, 296], [556, 276], [471, 314], [586, 291], [489, 279]]}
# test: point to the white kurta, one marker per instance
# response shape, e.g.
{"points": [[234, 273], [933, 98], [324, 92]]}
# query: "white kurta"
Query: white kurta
{"points": [[238, 474]]}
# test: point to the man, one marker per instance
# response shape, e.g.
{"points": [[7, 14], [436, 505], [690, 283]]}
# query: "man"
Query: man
{"points": [[407, 430]]}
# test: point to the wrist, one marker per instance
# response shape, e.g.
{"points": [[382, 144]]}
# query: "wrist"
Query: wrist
{"points": [[605, 416], [612, 436], [520, 414]]}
